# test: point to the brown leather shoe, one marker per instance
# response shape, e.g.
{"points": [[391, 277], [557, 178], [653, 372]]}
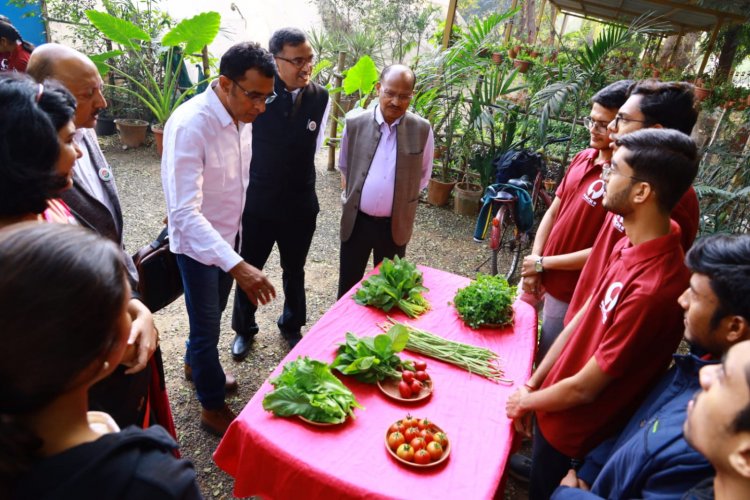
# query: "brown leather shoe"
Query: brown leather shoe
{"points": [[216, 422], [230, 385]]}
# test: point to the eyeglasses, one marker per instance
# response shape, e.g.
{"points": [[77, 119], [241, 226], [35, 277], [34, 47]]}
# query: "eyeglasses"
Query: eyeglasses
{"points": [[608, 170], [389, 94], [619, 118], [595, 125], [298, 62], [256, 97]]}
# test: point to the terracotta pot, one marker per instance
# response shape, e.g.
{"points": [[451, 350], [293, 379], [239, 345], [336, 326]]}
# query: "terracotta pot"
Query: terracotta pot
{"points": [[701, 93], [132, 132], [158, 130], [512, 53], [656, 73], [523, 66], [466, 198], [484, 52], [534, 54], [625, 72], [438, 192], [497, 57]]}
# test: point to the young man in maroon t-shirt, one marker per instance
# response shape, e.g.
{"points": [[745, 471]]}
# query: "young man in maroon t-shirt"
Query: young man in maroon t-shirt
{"points": [[606, 360], [656, 105], [573, 220]]}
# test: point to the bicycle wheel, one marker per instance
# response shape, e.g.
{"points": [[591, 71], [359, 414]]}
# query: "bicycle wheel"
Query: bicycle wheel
{"points": [[509, 243]]}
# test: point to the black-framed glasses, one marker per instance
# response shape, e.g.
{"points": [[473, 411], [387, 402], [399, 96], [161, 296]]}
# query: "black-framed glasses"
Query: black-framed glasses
{"points": [[298, 62], [389, 94], [596, 125], [610, 169], [619, 118], [255, 97]]}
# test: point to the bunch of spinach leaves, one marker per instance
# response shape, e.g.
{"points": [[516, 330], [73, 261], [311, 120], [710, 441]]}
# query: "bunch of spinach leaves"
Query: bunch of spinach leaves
{"points": [[398, 284], [370, 359], [486, 301], [306, 387]]}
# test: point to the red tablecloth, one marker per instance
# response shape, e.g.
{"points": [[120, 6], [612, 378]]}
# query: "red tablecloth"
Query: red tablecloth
{"points": [[285, 458]]}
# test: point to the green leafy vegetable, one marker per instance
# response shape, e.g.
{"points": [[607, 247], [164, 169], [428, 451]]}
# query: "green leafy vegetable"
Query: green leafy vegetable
{"points": [[486, 301], [369, 359], [398, 284], [306, 387]]}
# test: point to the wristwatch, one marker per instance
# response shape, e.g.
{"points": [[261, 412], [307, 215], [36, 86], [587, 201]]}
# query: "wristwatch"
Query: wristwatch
{"points": [[538, 266]]}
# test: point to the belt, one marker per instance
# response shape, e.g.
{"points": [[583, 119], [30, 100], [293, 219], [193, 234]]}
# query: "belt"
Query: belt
{"points": [[372, 217]]}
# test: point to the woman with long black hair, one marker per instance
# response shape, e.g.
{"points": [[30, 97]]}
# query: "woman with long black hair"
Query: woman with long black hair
{"points": [[14, 50]]}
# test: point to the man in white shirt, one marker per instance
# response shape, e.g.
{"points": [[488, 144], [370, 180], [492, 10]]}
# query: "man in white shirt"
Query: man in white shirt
{"points": [[385, 161], [205, 173]]}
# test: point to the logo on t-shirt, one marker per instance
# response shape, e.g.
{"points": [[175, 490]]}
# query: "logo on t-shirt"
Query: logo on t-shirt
{"points": [[594, 192], [610, 299], [4, 64], [617, 222]]}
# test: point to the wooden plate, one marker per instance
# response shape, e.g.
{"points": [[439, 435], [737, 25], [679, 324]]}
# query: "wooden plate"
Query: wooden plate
{"points": [[318, 424], [389, 387], [446, 452]]}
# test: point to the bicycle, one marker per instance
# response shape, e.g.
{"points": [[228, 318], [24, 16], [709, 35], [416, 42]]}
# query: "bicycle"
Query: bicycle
{"points": [[504, 233]]}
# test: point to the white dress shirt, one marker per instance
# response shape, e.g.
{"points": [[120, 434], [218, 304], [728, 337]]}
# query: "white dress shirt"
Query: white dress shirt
{"points": [[377, 191], [205, 171]]}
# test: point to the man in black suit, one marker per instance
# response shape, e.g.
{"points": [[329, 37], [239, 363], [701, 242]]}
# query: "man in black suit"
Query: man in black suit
{"points": [[94, 202], [281, 205]]}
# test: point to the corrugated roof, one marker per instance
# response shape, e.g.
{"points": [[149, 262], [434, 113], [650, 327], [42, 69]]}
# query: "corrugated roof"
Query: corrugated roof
{"points": [[678, 15]]}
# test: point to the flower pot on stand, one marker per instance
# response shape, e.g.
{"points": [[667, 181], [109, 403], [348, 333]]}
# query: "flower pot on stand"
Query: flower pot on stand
{"points": [[523, 66], [132, 132], [497, 58], [438, 192], [701, 93], [467, 198], [158, 130]]}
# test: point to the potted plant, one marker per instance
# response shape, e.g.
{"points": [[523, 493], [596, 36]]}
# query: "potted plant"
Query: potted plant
{"points": [[522, 62], [159, 92]]}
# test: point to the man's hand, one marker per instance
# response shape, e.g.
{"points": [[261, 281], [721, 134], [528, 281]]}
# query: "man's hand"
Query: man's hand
{"points": [[532, 285], [521, 417], [571, 480], [528, 267], [253, 282], [143, 334]]}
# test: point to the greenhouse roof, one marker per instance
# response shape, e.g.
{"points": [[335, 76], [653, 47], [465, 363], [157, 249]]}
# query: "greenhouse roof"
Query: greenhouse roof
{"points": [[680, 16]]}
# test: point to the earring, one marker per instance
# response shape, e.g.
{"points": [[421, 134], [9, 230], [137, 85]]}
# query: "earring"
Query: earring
{"points": [[105, 366]]}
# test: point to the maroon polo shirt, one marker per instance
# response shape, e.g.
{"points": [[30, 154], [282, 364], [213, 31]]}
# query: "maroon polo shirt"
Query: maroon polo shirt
{"points": [[632, 327], [685, 213], [578, 221]]}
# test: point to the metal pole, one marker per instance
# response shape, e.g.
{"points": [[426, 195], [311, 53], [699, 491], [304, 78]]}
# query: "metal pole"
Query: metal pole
{"points": [[332, 141]]}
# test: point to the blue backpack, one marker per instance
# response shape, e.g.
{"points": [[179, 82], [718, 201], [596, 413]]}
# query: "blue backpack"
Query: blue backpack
{"points": [[524, 214]]}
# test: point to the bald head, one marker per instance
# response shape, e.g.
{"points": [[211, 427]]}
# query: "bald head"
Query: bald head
{"points": [[76, 72]]}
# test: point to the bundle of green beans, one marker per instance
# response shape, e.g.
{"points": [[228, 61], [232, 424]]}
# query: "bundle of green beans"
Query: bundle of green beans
{"points": [[471, 358]]}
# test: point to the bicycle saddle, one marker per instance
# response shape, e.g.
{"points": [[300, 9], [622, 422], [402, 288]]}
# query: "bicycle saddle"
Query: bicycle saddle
{"points": [[522, 183]]}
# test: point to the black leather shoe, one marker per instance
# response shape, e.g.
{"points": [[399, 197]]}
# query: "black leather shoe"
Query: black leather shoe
{"points": [[519, 466], [292, 338], [241, 347]]}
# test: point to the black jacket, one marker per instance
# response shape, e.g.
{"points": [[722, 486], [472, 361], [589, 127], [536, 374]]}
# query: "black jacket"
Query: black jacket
{"points": [[131, 464]]}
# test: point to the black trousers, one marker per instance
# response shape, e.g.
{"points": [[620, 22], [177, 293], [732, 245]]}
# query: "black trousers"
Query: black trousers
{"points": [[548, 467], [293, 238], [370, 234]]}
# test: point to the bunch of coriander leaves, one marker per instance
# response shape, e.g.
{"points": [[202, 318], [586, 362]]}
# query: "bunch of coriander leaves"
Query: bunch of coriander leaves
{"points": [[399, 284], [370, 359], [486, 301], [306, 387]]}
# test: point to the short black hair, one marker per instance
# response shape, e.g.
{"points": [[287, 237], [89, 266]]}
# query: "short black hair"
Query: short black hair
{"points": [[725, 260], [665, 158], [669, 104], [28, 147], [389, 68], [613, 95], [7, 30], [285, 36], [244, 56]]}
